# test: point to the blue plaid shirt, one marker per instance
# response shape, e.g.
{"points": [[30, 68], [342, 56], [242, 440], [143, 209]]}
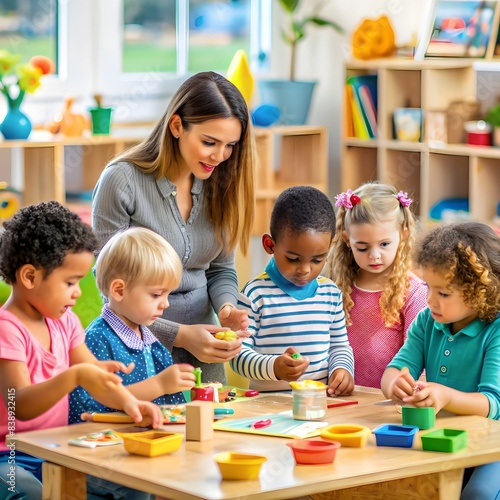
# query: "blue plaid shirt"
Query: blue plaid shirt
{"points": [[108, 337]]}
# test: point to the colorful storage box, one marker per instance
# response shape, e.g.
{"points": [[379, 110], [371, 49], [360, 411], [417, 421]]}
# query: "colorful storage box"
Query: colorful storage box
{"points": [[151, 443], [313, 452], [446, 440], [423, 418], [351, 435], [233, 465], [395, 435]]}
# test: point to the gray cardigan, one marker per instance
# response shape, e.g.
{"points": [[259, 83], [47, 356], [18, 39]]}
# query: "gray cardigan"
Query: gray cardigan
{"points": [[126, 197]]}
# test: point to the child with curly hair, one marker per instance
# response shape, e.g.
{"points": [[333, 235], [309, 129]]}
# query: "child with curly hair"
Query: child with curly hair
{"points": [[370, 263], [296, 316], [44, 252], [457, 338]]}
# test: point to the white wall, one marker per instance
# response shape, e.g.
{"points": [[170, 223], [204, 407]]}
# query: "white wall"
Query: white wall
{"points": [[322, 54]]}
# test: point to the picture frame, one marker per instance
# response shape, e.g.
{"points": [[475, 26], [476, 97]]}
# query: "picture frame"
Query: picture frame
{"points": [[408, 124], [460, 28]]}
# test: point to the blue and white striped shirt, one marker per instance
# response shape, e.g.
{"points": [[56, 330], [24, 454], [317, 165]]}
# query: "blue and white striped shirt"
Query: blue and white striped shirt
{"points": [[314, 325]]}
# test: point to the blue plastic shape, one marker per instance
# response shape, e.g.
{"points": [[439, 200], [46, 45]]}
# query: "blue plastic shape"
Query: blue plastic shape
{"points": [[436, 211], [395, 435], [265, 115]]}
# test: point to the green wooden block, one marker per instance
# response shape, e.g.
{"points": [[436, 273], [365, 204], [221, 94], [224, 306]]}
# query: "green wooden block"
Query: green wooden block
{"points": [[423, 418], [446, 440]]}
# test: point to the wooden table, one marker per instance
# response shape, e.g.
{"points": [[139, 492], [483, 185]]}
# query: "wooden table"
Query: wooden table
{"points": [[191, 473]]}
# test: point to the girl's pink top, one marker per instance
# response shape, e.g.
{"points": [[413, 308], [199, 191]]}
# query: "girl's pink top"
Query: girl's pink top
{"points": [[373, 343], [17, 344]]}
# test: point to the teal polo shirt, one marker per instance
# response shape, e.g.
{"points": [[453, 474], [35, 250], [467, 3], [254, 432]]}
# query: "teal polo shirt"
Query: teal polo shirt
{"points": [[468, 361]]}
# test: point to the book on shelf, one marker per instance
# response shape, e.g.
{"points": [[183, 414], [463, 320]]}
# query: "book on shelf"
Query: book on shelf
{"points": [[362, 90]]}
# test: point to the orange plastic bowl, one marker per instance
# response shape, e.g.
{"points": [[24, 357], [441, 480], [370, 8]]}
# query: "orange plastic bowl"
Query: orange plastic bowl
{"points": [[313, 452]]}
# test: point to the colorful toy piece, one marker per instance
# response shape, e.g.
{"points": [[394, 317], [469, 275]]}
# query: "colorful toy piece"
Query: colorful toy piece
{"points": [[296, 355], [423, 418], [239, 74], [228, 335], [197, 374], [445, 440], [395, 435], [351, 435]]}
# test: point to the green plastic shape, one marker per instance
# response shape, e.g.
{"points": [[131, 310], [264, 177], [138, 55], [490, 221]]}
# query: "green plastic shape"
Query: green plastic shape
{"points": [[423, 418], [446, 440]]}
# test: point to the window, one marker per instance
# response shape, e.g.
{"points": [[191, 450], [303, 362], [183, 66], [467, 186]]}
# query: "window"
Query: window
{"points": [[152, 44], [133, 52], [29, 28]]}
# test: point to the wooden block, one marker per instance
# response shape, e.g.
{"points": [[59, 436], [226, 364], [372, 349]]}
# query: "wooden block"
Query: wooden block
{"points": [[199, 420]]}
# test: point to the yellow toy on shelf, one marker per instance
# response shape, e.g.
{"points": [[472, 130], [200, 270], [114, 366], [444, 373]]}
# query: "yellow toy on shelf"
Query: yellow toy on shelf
{"points": [[373, 38], [239, 74]]}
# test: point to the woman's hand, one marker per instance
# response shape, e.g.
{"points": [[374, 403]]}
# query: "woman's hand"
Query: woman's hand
{"points": [[231, 317], [201, 343]]}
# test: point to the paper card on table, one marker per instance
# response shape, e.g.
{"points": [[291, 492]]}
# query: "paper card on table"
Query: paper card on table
{"points": [[106, 437], [172, 414], [282, 425]]}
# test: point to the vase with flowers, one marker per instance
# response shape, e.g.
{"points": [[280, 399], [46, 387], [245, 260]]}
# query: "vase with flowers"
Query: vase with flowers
{"points": [[15, 80]]}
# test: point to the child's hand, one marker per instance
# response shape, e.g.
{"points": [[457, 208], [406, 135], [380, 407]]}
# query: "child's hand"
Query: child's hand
{"points": [[115, 366], [403, 385], [94, 379], [143, 412], [429, 394], [288, 368], [231, 317], [341, 383], [178, 377]]}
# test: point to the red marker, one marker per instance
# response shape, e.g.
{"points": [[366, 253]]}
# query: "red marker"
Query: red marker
{"points": [[341, 403], [261, 423]]}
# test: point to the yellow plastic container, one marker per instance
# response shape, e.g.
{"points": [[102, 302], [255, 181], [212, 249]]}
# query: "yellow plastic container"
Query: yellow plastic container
{"points": [[151, 443], [234, 465], [351, 435]]}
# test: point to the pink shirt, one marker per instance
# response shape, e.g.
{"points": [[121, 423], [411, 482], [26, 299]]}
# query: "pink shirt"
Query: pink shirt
{"points": [[17, 344], [373, 343]]}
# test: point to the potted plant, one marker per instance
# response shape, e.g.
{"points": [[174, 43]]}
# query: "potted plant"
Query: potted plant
{"points": [[493, 118], [291, 96]]}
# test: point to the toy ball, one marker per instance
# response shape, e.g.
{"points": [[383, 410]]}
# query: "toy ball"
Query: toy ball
{"points": [[265, 115], [9, 202]]}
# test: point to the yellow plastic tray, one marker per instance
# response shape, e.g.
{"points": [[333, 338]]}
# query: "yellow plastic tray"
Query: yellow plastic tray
{"points": [[234, 465], [351, 435], [151, 443]]}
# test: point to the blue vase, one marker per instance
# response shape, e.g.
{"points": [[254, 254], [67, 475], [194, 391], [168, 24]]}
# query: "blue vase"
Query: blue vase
{"points": [[16, 125]]}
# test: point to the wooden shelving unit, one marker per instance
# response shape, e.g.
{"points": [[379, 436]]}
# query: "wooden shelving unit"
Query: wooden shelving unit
{"points": [[45, 159], [288, 156], [429, 171]]}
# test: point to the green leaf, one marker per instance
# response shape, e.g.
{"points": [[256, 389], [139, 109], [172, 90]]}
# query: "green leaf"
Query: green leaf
{"points": [[318, 21], [289, 6]]}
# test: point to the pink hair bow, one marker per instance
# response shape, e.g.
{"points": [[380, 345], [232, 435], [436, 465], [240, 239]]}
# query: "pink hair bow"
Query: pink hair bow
{"points": [[403, 198], [347, 199]]}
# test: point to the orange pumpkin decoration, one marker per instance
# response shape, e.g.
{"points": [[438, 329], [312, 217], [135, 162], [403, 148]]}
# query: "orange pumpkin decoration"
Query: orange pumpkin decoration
{"points": [[373, 38], [72, 124]]}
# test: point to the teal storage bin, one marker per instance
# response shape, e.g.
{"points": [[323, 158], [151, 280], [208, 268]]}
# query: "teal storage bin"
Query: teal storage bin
{"points": [[423, 418], [445, 440]]}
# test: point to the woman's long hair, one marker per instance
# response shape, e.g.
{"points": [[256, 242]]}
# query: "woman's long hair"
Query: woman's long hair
{"points": [[229, 191]]}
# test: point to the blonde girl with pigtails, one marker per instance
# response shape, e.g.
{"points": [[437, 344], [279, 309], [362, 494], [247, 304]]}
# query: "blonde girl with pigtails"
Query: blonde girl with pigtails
{"points": [[370, 263]]}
